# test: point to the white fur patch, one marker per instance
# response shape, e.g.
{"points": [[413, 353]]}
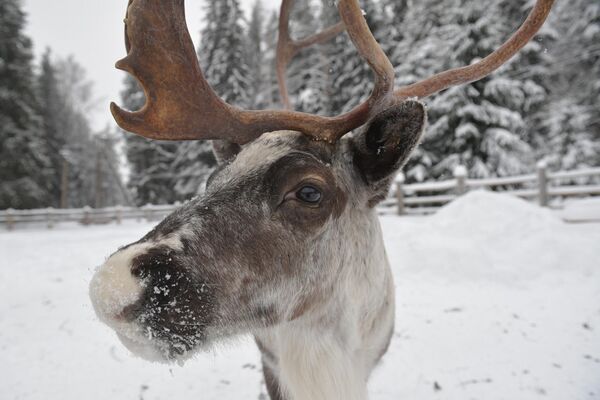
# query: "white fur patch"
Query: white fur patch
{"points": [[315, 365], [113, 287], [263, 151]]}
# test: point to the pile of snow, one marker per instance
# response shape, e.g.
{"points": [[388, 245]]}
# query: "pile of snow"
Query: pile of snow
{"points": [[581, 210], [486, 235], [494, 213]]}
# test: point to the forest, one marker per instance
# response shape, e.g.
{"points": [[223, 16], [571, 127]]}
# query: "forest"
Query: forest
{"points": [[541, 106]]}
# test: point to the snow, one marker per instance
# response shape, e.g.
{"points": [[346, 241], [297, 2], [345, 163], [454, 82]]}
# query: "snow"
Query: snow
{"points": [[496, 299]]}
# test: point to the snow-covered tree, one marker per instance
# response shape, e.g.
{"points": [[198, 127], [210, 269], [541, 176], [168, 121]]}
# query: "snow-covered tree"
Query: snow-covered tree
{"points": [[25, 167], [51, 105], [150, 161], [93, 178], [271, 89], [570, 122], [256, 58], [222, 51], [483, 125], [570, 143], [306, 74], [223, 57], [354, 80]]}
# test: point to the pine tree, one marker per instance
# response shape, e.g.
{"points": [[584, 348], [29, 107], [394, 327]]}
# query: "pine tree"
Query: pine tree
{"points": [[570, 122], [306, 75], [223, 59], [355, 80], [109, 189], [93, 178], [24, 158], [483, 125], [222, 51], [333, 62], [51, 105], [151, 161], [271, 88], [258, 98]]}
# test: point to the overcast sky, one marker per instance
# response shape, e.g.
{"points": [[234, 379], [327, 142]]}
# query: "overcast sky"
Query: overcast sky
{"points": [[92, 30]]}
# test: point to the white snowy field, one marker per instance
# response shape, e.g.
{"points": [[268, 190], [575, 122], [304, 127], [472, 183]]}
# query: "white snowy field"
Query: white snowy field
{"points": [[496, 299]]}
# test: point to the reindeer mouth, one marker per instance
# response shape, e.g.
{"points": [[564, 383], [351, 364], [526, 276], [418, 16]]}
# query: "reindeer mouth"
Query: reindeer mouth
{"points": [[156, 349]]}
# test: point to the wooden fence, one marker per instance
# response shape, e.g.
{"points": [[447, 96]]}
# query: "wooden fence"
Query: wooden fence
{"points": [[543, 186], [414, 199], [85, 216]]}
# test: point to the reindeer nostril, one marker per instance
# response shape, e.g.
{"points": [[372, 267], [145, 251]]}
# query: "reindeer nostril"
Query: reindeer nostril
{"points": [[130, 312], [139, 271]]}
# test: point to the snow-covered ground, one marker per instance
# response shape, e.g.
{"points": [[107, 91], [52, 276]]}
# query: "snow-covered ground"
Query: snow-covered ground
{"points": [[497, 299]]}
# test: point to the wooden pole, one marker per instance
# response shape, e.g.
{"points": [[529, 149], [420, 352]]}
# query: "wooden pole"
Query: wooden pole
{"points": [[460, 173], [98, 183], [542, 174], [50, 218], [400, 194], [118, 215], [87, 218], [64, 184], [10, 220]]}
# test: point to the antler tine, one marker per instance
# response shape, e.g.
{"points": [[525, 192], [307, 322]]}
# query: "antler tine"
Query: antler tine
{"points": [[370, 50], [181, 105], [161, 56], [486, 66], [287, 48]]}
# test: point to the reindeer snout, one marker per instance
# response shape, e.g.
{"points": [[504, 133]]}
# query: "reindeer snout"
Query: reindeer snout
{"points": [[149, 295]]}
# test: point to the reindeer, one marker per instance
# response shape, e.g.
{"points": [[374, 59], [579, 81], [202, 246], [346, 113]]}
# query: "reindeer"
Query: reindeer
{"points": [[285, 243]]}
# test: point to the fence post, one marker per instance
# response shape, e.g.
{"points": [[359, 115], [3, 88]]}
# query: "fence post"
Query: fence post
{"points": [[10, 219], [147, 212], [542, 174], [86, 215], [118, 214], [400, 194], [50, 217], [460, 173]]}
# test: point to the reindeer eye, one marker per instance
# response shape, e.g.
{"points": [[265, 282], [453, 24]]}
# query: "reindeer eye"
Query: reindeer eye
{"points": [[309, 194]]}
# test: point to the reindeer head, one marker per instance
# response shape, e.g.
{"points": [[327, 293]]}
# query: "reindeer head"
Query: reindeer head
{"points": [[283, 214]]}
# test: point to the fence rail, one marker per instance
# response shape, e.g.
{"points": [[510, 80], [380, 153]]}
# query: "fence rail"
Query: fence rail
{"points": [[85, 216], [413, 199]]}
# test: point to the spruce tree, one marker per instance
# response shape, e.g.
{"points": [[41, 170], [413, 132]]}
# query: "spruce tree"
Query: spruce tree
{"points": [[355, 80], [305, 74], [151, 162], [51, 105], [483, 125], [222, 51], [93, 171], [25, 168], [271, 89], [570, 122], [333, 62], [222, 55], [256, 59]]}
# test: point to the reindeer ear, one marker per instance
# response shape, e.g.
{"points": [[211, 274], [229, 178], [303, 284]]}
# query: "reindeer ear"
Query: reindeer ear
{"points": [[386, 143], [225, 151]]}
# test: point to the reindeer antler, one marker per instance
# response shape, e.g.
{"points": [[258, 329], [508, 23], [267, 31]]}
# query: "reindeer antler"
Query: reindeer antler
{"points": [[181, 105]]}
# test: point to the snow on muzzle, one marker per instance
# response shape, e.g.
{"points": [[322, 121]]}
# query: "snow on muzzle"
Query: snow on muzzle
{"points": [[159, 309]]}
